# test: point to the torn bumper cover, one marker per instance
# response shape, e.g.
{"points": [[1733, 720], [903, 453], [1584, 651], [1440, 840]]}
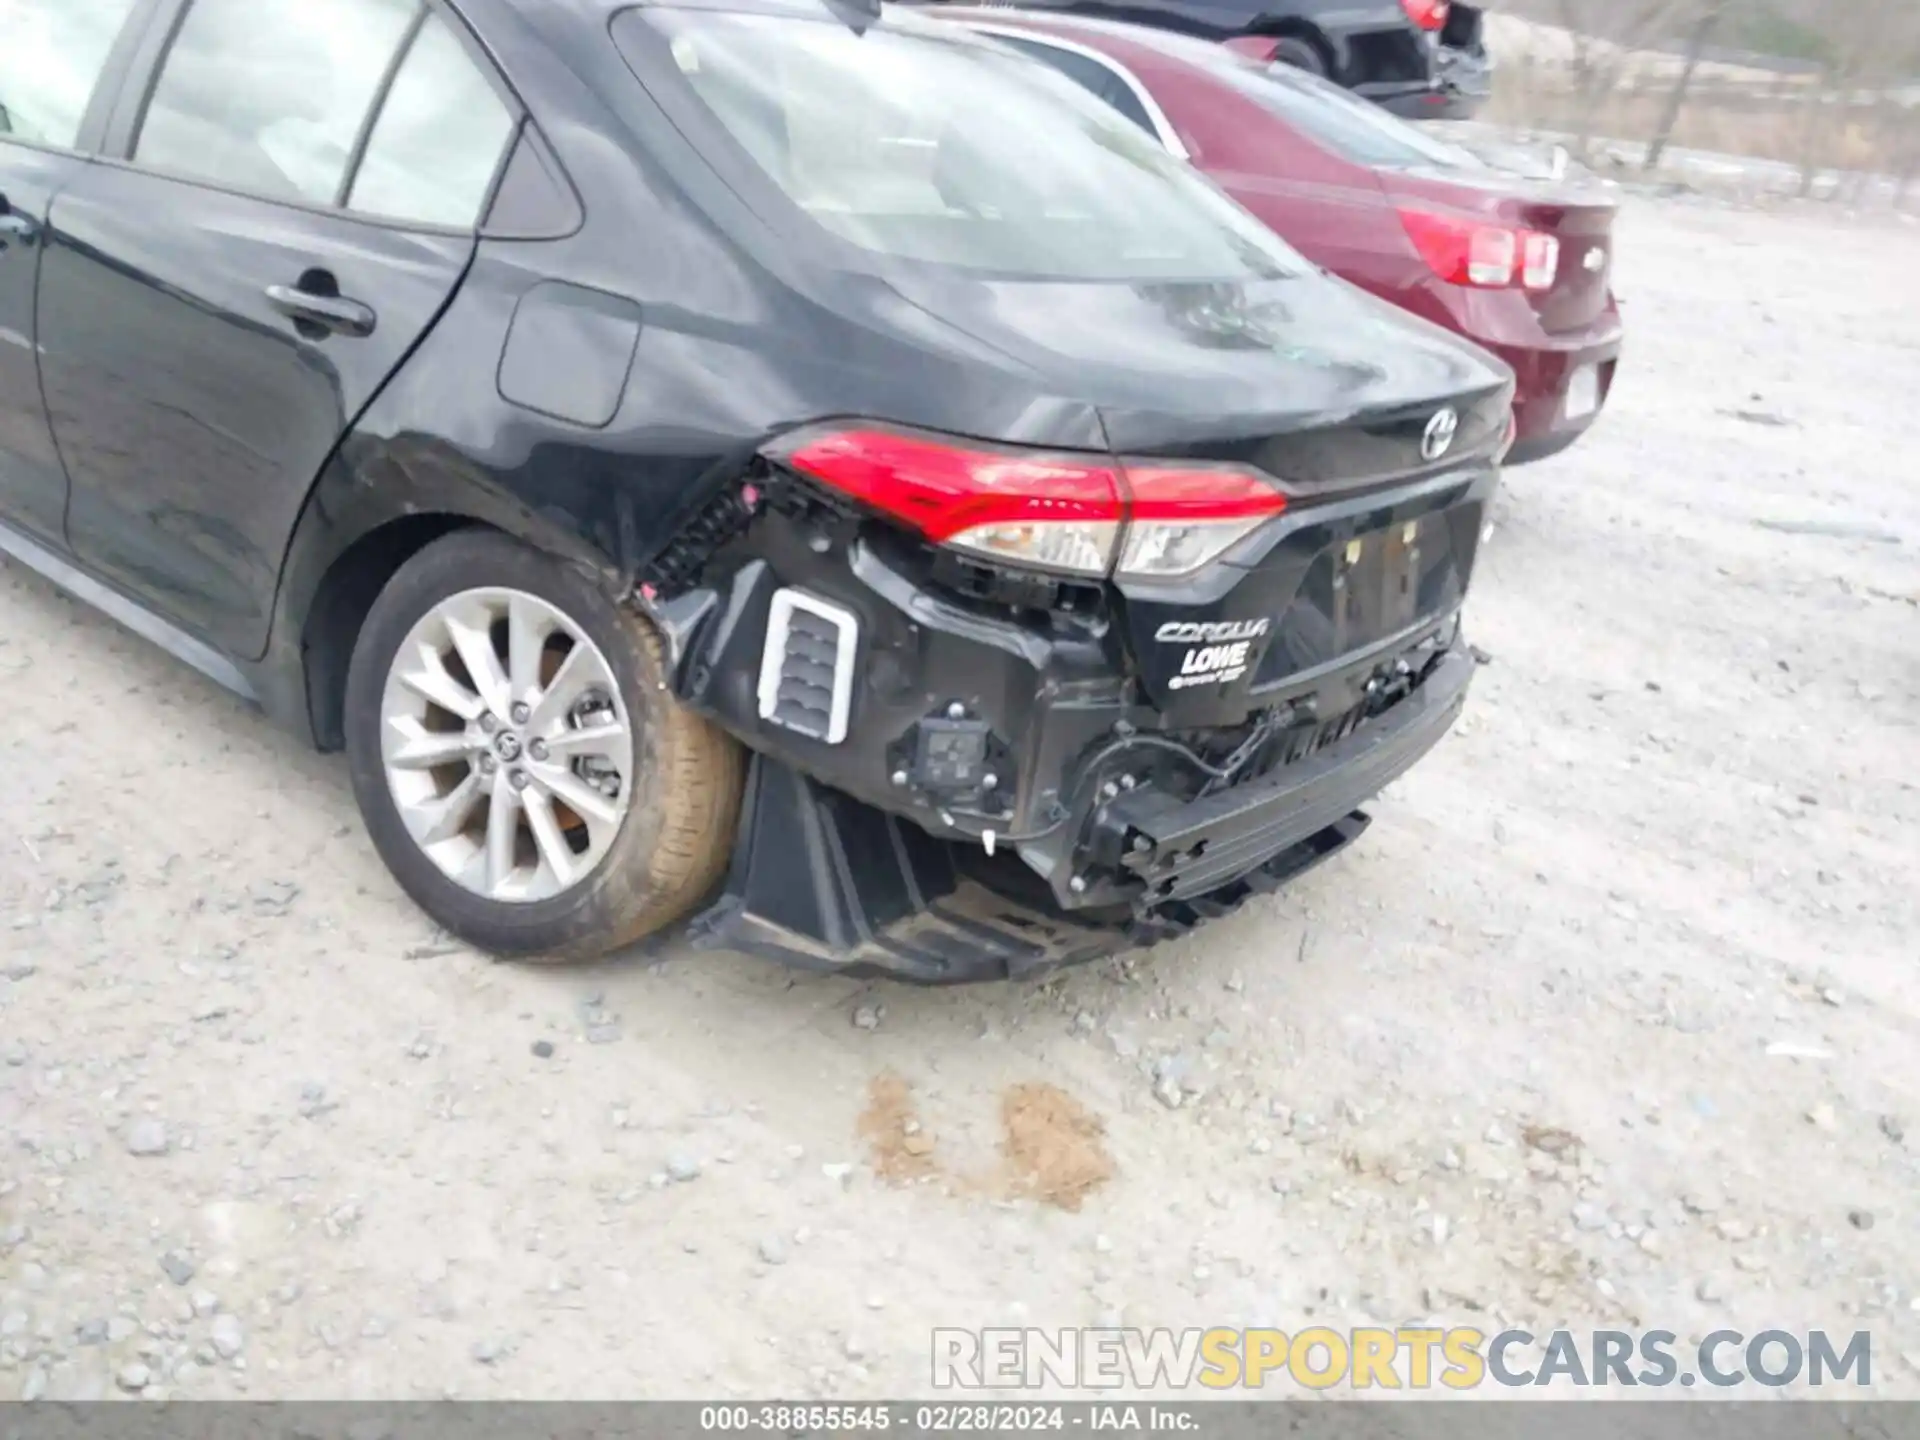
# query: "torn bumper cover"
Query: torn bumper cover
{"points": [[828, 882]]}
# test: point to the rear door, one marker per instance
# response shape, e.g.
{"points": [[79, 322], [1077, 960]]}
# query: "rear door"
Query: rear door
{"points": [[289, 201], [52, 59]]}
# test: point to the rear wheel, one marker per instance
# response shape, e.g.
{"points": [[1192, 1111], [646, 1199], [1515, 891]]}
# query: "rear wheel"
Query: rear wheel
{"points": [[519, 762], [1300, 53]]}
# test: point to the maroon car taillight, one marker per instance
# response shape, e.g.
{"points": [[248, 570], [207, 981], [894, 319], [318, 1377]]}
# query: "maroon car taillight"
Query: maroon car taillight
{"points": [[1428, 14], [1071, 513], [1489, 257]]}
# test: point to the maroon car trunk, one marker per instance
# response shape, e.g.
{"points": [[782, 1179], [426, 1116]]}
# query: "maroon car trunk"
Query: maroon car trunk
{"points": [[1581, 220]]}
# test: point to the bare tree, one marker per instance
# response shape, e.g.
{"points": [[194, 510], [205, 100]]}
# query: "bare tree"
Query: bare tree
{"points": [[1606, 37], [1875, 46], [1697, 40]]}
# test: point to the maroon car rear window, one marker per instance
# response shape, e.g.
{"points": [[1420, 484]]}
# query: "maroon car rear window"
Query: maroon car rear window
{"points": [[1352, 128]]}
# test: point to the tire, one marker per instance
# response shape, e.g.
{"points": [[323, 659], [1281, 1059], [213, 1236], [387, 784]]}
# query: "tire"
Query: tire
{"points": [[603, 870], [1301, 54]]}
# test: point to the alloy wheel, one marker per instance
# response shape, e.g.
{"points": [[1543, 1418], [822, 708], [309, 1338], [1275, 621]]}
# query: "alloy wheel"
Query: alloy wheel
{"points": [[506, 744]]}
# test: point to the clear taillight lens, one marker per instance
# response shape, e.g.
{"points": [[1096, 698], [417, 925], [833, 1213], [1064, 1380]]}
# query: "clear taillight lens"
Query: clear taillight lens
{"points": [[1074, 547], [1491, 256], [1540, 266], [1183, 519]]}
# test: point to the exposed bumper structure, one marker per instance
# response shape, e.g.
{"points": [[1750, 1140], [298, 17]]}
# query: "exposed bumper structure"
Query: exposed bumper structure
{"points": [[827, 882]]}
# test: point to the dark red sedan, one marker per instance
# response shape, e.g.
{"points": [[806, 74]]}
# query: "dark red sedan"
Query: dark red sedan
{"points": [[1520, 265]]}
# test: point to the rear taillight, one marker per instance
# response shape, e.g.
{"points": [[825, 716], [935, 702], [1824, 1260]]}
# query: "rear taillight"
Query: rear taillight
{"points": [[1462, 251], [1069, 513], [1428, 14], [1180, 518]]}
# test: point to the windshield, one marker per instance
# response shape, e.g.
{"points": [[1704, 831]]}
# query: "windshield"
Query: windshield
{"points": [[943, 148]]}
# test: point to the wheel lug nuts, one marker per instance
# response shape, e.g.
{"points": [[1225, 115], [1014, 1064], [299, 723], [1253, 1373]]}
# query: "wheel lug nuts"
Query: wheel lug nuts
{"points": [[489, 723], [517, 779], [488, 764], [521, 714], [538, 749]]}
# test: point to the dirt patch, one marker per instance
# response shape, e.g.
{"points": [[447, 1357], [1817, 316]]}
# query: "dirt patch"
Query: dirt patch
{"points": [[1054, 1146], [901, 1150]]}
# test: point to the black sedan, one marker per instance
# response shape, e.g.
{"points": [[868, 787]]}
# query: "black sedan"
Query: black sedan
{"points": [[705, 458]]}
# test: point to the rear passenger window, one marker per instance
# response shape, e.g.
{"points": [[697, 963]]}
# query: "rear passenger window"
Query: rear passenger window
{"points": [[439, 140], [270, 96], [50, 61]]}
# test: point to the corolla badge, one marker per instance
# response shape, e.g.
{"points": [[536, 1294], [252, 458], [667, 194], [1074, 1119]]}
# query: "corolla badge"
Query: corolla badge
{"points": [[1440, 432]]}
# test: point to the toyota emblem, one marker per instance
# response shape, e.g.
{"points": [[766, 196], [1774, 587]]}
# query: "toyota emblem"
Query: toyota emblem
{"points": [[1439, 437]]}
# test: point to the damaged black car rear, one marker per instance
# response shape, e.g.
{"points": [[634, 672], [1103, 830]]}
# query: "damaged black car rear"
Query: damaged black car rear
{"points": [[715, 462], [1110, 607]]}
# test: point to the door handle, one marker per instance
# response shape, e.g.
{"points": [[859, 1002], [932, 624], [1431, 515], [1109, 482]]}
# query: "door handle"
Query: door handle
{"points": [[335, 313]]}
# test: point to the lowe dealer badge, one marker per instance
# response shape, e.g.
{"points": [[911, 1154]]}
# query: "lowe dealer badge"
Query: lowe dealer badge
{"points": [[1217, 654]]}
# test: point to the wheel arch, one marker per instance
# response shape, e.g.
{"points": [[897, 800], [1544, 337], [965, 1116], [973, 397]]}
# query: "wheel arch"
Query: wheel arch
{"points": [[1295, 27], [339, 607], [380, 504]]}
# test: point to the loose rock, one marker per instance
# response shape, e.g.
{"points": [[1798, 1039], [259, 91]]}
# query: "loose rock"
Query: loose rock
{"points": [[228, 1336], [147, 1136], [1588, 1216], [178, 1267]]}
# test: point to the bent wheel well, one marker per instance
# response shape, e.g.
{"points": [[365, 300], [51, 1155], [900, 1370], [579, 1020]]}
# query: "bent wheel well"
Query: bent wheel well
{"points": [[340, 608]]}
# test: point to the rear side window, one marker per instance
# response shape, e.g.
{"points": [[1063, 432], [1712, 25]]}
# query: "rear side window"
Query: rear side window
{"points": [[269, 95], [1097, 79], [437, 145], [277, 98], [51, 57], [919, 141]]}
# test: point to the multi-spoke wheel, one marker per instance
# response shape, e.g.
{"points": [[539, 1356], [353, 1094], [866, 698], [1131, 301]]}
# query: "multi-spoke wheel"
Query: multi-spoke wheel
{"points": [[521, 766]]}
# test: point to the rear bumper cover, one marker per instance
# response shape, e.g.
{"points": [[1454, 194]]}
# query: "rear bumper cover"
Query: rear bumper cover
{"points": [[1543, 361], [827, 882]]}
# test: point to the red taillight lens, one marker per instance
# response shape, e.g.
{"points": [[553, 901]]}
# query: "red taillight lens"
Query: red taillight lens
{"points": [[1489, 257], [1428, 14], [1077, 514]]}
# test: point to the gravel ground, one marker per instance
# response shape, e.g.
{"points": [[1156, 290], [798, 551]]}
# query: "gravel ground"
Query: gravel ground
{"points": [[1610, 1020]]}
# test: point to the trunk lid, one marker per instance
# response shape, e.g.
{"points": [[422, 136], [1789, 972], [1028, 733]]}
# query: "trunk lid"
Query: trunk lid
{"points": [[1379, 428], [1579, 216]]}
